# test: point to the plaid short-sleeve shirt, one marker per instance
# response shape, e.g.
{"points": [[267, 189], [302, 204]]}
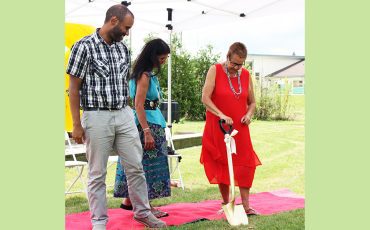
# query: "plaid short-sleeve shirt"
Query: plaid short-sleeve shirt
{"points": [[103, 69]]}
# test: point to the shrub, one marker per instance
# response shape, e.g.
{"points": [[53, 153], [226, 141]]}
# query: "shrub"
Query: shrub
{"points": [[272, 103]]}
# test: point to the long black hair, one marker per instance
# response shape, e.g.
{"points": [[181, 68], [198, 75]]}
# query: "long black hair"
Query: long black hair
{"points": [[148, 58]]}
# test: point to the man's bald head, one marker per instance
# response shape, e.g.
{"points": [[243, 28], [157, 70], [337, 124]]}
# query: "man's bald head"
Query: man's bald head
{"points": [[119, 11]]}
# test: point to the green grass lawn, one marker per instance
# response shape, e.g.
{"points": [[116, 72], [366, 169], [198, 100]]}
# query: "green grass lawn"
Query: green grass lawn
{"points": [[297, 108], [280, 147], [188, 127]]}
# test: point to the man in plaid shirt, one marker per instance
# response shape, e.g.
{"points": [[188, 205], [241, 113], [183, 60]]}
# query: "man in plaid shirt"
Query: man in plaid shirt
{"points": [[98, 69]]}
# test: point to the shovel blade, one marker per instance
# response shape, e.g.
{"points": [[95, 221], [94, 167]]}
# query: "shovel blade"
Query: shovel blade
{"points": [[235, 214]]}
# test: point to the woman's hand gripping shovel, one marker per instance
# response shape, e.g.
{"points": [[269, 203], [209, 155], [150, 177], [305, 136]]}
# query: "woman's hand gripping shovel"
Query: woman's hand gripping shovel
{"points": [[235, 214]]}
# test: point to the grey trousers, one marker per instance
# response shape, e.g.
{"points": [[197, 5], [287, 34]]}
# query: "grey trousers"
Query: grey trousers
{"points": [[107, 131]]}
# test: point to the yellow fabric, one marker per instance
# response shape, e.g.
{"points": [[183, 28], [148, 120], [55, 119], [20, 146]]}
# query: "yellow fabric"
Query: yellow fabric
{"points": [[73, 32]]}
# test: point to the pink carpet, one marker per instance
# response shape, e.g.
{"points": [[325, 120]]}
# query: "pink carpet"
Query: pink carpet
{"points": [[266, 203]]}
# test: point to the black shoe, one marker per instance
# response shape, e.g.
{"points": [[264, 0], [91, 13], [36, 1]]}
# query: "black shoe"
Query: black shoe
{"points": [[126, 207]]}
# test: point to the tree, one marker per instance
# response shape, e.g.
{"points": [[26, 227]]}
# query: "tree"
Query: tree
{"points": [[188, 76]]}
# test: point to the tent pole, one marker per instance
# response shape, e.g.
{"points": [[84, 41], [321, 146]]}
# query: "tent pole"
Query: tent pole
{"points": [[169, 86], [169, 98]]}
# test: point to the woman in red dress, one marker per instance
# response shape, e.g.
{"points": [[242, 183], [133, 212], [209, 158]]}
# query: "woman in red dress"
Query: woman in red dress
{"points": [[228, 94]]}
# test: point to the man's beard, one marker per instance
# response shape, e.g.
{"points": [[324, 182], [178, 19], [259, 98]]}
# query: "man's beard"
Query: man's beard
{"points": [[116, 34]]}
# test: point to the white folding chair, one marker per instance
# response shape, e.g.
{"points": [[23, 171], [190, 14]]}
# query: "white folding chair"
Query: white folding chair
{"points": [[174, 156], [72, 150]]}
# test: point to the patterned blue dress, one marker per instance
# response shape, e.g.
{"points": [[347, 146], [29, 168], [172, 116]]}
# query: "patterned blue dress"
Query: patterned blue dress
{"points": [[155, 162]]}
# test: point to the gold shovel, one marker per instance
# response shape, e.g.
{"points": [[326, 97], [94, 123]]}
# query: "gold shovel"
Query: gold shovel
{"points": [[235, 214]]}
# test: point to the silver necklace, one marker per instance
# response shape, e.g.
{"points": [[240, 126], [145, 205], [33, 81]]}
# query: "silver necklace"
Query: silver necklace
{"points": [[236, 94]]}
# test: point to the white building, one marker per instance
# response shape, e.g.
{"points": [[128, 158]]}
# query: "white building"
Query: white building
{"points": [[278, 69]]}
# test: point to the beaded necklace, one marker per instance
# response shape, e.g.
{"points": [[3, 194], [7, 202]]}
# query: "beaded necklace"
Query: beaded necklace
{"points": [[236, 94]]}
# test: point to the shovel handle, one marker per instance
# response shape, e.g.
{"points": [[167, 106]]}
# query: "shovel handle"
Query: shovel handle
{"points": [[229, 159], [220, 122]]}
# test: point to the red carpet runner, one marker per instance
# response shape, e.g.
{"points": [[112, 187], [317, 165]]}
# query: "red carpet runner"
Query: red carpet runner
{"points": [[266, 203]]}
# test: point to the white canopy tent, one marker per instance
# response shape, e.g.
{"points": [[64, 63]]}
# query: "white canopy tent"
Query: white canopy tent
{"points": [[151, 15], [202, 22], [216, 22]]}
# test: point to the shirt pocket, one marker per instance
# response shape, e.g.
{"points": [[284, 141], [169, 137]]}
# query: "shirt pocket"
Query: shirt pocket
{"points": [[123, 68], [100, 68]]}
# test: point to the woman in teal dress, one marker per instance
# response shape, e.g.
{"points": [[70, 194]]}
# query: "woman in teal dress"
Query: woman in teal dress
{"points": [[146, 93]]}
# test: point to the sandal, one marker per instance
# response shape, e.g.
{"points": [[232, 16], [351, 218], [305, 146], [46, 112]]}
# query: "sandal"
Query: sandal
{"points": [[158, 213], [126, 207], [251, 212]]}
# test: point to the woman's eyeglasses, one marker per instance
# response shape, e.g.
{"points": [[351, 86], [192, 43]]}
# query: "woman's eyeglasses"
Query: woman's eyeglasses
{"points": [[233, 64]]}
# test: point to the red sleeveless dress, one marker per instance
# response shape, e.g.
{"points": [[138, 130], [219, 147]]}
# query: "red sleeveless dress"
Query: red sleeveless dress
{"points": [[213, 155]]}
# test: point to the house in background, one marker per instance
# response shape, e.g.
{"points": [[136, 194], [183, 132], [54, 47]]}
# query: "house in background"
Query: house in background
{"points": [[278, 69], [292, 75]]}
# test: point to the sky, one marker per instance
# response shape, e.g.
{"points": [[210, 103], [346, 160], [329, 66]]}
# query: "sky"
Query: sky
{"points": [[270, 26]]}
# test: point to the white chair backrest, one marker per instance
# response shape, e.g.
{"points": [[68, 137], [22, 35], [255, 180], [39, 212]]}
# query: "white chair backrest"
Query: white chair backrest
{"points": [[71, 152], [169, 137], [66, 138], [168, 133]]}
